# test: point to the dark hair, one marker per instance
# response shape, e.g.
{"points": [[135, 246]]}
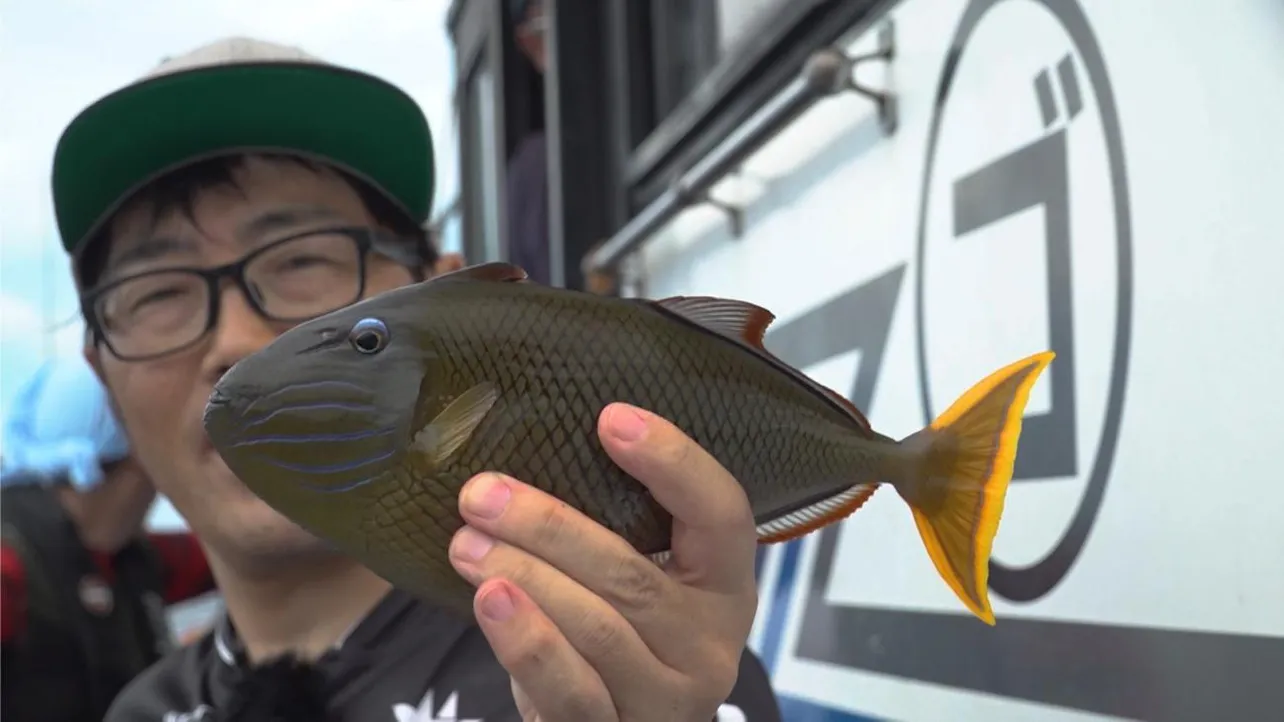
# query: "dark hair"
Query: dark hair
{"points": [[178, 191]]}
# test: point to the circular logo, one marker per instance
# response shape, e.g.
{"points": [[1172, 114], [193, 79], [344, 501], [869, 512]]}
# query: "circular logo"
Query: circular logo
{"points": [[1024, 243]]}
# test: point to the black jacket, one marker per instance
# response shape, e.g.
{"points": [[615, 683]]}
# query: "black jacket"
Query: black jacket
{"points": [[83, 637], [405, 662]]}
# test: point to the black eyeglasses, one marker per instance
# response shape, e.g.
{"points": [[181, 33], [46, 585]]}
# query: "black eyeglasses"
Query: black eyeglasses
{"points": [[160, 312]]}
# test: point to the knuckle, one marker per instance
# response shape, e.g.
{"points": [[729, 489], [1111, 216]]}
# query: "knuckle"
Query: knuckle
{"points": [[553, 525], [534, 652], [519, 569], [636, 584], [598, 634], [680, 452]]}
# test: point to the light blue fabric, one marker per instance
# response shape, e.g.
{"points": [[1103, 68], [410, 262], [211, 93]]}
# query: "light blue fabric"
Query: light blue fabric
{"points": [[61, 427]]}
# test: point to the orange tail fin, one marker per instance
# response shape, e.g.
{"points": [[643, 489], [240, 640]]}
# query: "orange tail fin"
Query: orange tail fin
{"points": [[968, 453]]}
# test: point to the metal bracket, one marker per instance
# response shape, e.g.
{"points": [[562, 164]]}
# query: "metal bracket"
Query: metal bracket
{"points": [[828, 71], [735, 214], [888, 115]]}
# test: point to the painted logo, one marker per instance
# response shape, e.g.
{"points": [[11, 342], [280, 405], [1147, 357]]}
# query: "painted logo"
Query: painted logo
{"points": [[1025, 191]]}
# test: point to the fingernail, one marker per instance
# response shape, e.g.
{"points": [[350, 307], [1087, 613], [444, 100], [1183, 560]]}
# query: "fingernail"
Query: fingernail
{"points": [[628, 425], [498, 603], [486, 497], [471, 545]]}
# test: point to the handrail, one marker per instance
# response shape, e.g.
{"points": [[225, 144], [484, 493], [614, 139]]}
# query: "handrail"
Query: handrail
{"points": [[827, 72], [434, 223]]}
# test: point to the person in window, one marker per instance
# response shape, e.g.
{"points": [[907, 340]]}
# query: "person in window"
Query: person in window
{"points": [[181, 234], [82, 588], [527, 180]]}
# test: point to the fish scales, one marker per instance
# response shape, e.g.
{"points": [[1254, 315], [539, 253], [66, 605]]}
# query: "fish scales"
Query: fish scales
{"points": [[474, 372], [558, 360], [556, 365]]}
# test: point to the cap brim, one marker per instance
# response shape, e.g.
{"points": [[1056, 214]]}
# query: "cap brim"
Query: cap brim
{"points": [[358, 122]]}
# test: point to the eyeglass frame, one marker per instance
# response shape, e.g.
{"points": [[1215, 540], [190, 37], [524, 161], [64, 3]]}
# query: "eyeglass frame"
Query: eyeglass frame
{"points": [[391, 246]]}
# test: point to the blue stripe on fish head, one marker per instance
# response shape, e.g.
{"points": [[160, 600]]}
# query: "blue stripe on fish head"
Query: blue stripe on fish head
{"points": [[328, 406]]}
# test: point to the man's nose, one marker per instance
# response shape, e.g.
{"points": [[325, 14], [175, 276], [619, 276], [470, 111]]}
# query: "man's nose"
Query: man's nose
{"points": [[240, 331]]}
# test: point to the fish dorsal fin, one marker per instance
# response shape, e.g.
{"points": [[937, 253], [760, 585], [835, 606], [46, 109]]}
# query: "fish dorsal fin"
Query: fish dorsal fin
{"points": [[747, 323], [847, 404], [738, 319], [456, 423], [495, 271]]}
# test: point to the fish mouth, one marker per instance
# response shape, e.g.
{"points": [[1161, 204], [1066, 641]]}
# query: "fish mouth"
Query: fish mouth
{"points": [[326, 436]]}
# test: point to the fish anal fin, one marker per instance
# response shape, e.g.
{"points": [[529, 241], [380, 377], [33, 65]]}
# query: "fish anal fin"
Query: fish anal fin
{"points": [[495, 272], [801, 522], [456, 423], [738, 319]]}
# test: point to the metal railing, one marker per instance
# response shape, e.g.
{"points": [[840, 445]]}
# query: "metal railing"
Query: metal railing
{"points": [[826, 73]]}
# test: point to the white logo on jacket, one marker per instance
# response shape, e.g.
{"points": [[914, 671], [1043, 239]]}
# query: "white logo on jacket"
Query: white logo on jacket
{"points": [[449, 711]]}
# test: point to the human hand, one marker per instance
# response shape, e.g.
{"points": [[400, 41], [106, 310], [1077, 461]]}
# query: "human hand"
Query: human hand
{"points": [[588, 628]]}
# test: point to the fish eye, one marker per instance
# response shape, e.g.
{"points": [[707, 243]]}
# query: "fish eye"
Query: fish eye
{"points": [[369, 335]]}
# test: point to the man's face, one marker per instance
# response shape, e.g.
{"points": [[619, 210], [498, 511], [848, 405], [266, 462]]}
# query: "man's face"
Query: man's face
{"points": [[161, 401], [531, 31]]}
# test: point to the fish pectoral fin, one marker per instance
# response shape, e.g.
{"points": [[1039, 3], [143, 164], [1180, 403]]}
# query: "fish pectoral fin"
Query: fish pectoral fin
{"points": [[801, 522], [738, 319], [495, 271], [455, 424]]}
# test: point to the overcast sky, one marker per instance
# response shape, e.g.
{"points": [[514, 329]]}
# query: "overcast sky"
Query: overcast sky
{"points": [[57, 56]]}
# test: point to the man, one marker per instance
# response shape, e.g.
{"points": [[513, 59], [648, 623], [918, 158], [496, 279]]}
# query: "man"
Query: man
{"points": [[243, 187], [527, 180], [82, 590]]}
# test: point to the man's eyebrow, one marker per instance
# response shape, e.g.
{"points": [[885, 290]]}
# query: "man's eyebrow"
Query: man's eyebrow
{"points": [[284, 218], [150, 249], [154, 247]]}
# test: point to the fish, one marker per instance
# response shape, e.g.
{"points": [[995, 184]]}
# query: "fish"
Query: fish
{"points": [[362, 425]]}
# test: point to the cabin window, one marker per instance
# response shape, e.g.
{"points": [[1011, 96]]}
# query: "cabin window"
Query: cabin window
{"points": [[637, 92], [480, 133], [684, 46]]}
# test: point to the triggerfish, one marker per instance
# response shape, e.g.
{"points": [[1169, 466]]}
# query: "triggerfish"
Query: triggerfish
{"points": [[362, 425]]}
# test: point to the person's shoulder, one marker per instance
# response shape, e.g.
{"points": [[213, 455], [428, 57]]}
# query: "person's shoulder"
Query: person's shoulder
{"points": [[168, 690]]}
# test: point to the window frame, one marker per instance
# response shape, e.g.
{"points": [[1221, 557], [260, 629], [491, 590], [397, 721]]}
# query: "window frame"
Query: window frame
{"points": [[766, 58], [609, 155]]}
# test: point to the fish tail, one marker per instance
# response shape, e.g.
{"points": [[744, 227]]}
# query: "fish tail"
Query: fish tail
{"points": [[963, 463]]}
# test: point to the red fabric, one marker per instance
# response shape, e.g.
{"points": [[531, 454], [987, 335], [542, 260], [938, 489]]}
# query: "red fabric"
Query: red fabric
{"points": [[187, 572], [106, 568], [13, 593], [185, 569]]}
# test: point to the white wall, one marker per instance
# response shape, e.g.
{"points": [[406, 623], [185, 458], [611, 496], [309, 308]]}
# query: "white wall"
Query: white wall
{"points": [[1186, 537]]}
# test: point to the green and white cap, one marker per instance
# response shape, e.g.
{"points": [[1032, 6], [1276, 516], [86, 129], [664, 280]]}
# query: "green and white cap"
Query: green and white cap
{"points": [[239, 95]]}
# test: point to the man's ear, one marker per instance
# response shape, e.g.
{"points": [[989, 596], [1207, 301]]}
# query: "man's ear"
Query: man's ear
{"points": [[446, 263], [94, 358]]}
